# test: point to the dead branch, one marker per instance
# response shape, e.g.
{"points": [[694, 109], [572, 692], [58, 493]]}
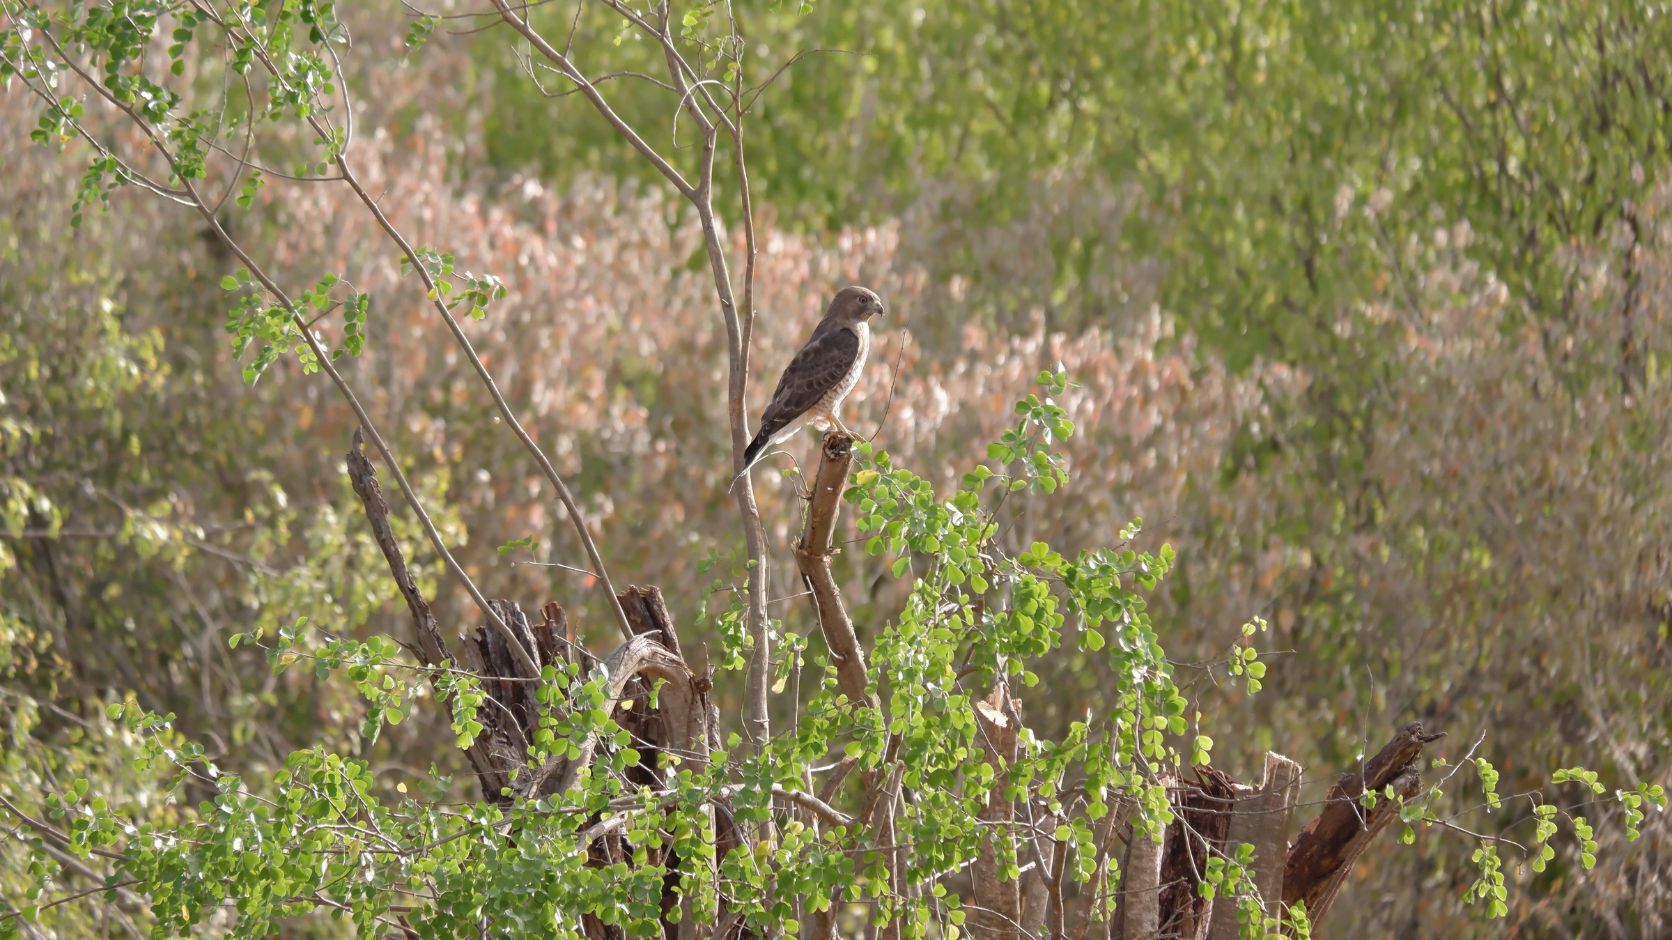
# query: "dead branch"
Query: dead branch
{"points": [[1325, 850], [640, 656], [1198, 832], [431, 645], [512, 713], [813, 554], [647, 613]]}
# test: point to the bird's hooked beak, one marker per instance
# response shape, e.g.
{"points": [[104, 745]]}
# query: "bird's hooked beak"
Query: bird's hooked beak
{"points": [[878, 308]]}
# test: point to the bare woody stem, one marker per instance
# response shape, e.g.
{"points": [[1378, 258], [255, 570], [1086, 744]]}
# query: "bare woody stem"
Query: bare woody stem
{"points": [[431, 645], [813, 554], [696, 100], [739, 325]]}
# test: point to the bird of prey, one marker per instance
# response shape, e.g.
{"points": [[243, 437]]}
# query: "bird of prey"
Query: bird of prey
{"points": [[821, 374]]}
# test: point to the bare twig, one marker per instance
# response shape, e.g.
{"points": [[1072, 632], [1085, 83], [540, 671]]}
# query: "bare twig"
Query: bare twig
{"points": [[321, 355], [696, 100], [571, 508], [587, 88]]}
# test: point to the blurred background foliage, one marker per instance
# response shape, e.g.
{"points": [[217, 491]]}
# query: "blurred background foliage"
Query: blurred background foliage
{"points": [[1365, 304]]}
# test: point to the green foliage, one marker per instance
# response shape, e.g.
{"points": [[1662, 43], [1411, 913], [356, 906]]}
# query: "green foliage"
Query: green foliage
{"points": [[476, 291], [1231, 876], [1489, 887], [1245, 660], [462, 691], [318, 836], [1632, 801], [1286, 168], [1488, 782], [419, 33], [1544, 829], [1285, 156]]}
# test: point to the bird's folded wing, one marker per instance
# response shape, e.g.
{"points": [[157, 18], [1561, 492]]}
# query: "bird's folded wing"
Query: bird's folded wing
{"points": [[820, 366]]}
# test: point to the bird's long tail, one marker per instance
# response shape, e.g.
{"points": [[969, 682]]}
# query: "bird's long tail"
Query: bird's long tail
{"points": [[751, 456], [753, 452]]}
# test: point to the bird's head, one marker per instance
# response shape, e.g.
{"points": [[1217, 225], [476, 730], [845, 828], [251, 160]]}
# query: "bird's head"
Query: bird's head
{"points": [[855, 305]]}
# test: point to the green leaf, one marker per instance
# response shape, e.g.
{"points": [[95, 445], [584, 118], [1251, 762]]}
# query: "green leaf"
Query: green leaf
{"points": [[511, 546]]}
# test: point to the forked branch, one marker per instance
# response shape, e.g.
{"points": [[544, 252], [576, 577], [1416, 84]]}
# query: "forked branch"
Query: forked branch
{"points": [[696, 100]]}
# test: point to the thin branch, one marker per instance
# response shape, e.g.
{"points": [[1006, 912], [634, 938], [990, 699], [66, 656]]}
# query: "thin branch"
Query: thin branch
{"points": [[686, 81], [320, 354], [758, 90], [529, 65], [824, 810], [522, 26], [893, 382], [577, 519]]}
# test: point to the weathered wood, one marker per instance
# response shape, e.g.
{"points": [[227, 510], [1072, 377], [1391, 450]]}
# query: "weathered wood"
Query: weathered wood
{"points": [[647, 612], [555, 638], [430, 645], [1160, 895], [1260, 818], [643, 657], [998, 905], [1198, 833], [1139, 914], [683, 722], [813, 554], [504, 678], [1325, 850], [362, 476], [648, 615]]}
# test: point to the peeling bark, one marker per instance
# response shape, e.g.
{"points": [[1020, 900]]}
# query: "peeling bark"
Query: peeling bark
{"points": [[1325, 850]]}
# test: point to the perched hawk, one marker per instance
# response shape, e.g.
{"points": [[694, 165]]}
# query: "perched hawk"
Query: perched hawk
{"points": [[821, 374]]}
